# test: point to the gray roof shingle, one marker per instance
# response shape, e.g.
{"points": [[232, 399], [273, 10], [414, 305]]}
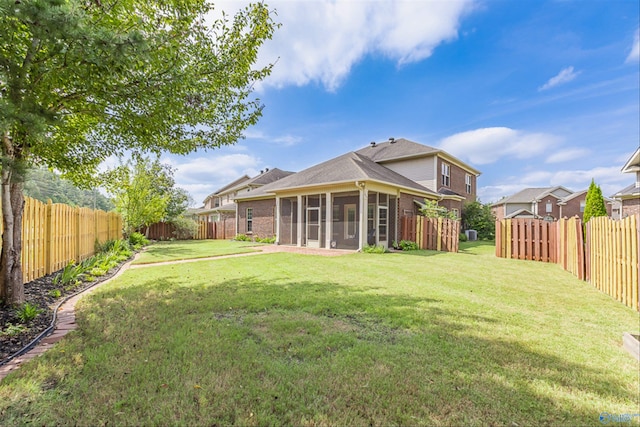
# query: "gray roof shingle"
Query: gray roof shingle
{"points": [[349, 167]]}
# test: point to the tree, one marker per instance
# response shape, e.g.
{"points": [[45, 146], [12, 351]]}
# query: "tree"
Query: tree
{"points": [[136, 193], [432, 210], [476, 216], [594, 203], [81, 80], [43, 184]]}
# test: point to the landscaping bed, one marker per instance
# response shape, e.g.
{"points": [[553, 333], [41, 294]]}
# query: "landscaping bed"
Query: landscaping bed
{"points": [[44, 294]]}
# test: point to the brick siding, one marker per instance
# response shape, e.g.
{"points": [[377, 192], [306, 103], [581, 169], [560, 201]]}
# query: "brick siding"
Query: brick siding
{"points": [[263, 218]]}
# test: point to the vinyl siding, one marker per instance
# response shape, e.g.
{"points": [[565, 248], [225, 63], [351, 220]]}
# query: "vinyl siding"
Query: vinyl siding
{"points": [[419, 170]]}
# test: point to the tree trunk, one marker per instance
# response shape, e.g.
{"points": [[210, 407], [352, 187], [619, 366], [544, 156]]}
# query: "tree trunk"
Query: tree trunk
{"points": [[11, 279]]}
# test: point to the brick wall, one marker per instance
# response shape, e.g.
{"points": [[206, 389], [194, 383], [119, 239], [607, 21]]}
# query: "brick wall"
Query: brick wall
{"points": [[630, 207], [457, 181], [263, 217]]}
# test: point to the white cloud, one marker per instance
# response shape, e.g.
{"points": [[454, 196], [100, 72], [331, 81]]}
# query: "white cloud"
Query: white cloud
{"points": [[564, 76], [567, 155], [320, 40], [634, 55], [202, 176], [488, 145]]}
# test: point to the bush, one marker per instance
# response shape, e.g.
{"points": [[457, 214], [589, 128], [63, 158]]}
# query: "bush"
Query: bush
{"points": [[242, 238], [374, 249], [266, 239], [184, 228], [70, 274], [462, 237], [138, 240], [406, 245]]}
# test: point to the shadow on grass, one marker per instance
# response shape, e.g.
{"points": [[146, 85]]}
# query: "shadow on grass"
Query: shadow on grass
{"points": [[428, 361]]}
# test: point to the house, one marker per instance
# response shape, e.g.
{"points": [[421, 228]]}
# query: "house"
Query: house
{"points": [[549, 203], [629, 197], [539, 202], [357, 198], [220, 204]]}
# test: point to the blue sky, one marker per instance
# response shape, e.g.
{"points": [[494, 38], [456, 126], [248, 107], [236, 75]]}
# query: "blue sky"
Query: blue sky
{"points": [[532, 93]]}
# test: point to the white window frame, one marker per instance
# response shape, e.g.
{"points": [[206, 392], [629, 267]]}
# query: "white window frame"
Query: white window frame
{"points": [[446, 174], [249, 220], [467, 181]]}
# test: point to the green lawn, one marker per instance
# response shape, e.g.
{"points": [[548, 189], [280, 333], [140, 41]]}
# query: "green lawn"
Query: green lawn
{"points": [[192, 249], [418, 338]]}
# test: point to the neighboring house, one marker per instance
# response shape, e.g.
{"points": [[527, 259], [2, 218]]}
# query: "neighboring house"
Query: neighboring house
{"points": [[630, 196], [220, 205], [549, 203], [357, 198], [531, 203]]}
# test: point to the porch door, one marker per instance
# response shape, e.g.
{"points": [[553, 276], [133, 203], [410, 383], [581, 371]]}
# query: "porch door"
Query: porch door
{"points": [[383, 217], [313, 227]]}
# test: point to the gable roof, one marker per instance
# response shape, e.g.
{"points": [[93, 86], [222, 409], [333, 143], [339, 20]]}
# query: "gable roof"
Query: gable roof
{"points": [[528, 195], [349, 167], [633, 164], [235, 183], [630, 191], [269, 176], [522, 213], [403, 149]]}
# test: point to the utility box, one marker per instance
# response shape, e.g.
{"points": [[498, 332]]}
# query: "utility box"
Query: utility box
{"points": [[471, 234]]}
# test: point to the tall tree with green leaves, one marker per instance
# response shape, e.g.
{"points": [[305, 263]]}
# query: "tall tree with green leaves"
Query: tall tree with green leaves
{"points": [[136, 195], [594, 205], [476, 216], [81, 80]]}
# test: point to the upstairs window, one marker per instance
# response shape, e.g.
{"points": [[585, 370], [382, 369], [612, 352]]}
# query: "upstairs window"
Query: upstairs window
{"points": [[467, 181], [446, 175], [583, 203], [549, 207]]}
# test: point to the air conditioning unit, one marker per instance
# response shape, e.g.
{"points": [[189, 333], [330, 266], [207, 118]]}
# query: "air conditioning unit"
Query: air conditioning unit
{"points": [[471, 234]]}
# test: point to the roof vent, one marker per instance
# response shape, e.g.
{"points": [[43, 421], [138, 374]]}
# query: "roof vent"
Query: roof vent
{"points": [[261, 172], [266, 169], [373, 144], [392, 140]]}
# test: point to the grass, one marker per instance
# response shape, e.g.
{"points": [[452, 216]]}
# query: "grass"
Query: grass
{"points": [[192, 249], [418, 338]]}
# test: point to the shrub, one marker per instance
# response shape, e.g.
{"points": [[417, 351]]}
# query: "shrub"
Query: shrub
{"points": [[138, 240], [184, 228], [55, 293], [28, 312], [70, 274], [242, 238], [266, 239], [407, 245], [462, 237], [374, 249]]}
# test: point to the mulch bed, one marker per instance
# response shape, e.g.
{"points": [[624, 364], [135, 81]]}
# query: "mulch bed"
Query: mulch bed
{"points": [[38, 292]]}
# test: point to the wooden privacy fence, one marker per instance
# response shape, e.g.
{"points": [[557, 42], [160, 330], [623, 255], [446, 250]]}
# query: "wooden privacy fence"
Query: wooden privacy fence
{"points": [[528, 239], [205, 230], [607, 257], [438, 234], [55, 234], [612, 258]]}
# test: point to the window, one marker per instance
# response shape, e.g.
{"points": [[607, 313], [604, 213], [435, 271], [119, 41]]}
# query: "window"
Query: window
{"points": [[446, 174], [582, 205], [249, 220], [549, 207], [467, 181], [455, 213]]}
